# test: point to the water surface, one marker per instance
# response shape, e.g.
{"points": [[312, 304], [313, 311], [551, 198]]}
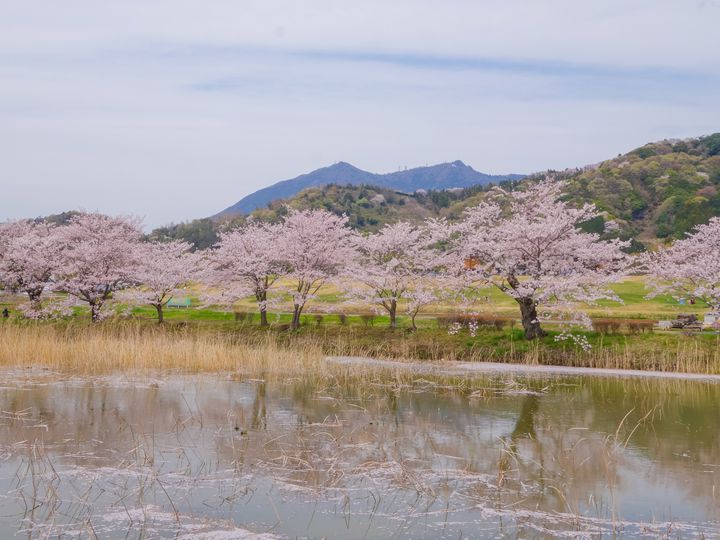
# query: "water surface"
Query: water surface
{"points": [[216, 458]]}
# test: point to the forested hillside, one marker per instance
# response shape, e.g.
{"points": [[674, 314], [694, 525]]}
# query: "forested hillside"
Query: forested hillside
{"points": [[654, 193], [658, 191]]}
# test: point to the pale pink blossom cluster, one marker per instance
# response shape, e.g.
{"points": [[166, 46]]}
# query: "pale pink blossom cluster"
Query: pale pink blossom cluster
{"points": [[88, 261], [689, 268], [399, 263], [529, 244]]}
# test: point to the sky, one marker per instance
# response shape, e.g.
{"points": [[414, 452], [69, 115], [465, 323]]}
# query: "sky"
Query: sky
{"points": [[173, 110]]}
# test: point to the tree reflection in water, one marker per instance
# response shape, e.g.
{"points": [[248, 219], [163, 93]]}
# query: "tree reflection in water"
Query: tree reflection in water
{"points": [[427, 460]]}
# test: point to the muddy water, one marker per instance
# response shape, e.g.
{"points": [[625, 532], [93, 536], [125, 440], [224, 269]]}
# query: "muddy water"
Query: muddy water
{"points": [[209, 457]]}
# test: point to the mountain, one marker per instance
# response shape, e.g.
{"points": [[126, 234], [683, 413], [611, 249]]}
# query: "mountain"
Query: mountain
{"points": [[655, 193], [435, 177]]}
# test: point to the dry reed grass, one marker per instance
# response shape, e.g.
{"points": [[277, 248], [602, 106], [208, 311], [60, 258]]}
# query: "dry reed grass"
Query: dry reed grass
{"points": [[131, 346], [106, 348]]}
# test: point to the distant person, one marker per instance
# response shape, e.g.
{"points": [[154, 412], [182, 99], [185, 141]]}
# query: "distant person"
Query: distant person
{"points": [[6, 313]]}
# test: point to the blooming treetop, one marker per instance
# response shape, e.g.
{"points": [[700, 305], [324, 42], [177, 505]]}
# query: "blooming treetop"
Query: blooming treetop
{"points": [[29, 254], [315, 246], [163, 270], [528, 244], [690, 267], [248, 261], [99, 258], [392, 265]]}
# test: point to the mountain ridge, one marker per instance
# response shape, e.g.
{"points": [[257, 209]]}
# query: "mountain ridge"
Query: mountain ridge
{"points": [[455, 174], [655, 193]]}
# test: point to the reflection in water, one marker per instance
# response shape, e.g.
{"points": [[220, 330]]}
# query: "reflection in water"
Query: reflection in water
{"points": [[187, 456]]}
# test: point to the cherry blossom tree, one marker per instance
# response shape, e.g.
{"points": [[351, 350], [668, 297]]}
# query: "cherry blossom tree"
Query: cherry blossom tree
{"points": [[392, 265], [29, 254], [161, 270], [248, 260], [690, 267], [315, 246], [424, 295], [529, 245], [98, 259]]}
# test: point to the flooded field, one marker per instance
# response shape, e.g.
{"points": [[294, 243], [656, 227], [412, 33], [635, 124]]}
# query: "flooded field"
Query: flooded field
{"points": [[217, 457]]}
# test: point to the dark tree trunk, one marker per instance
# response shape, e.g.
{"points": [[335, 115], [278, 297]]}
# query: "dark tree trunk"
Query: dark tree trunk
{"points": [[34, 296], [261, 297], [530, 322], [297, 311], [412, 322], [95, 312], [393, 313], [160, 314]]}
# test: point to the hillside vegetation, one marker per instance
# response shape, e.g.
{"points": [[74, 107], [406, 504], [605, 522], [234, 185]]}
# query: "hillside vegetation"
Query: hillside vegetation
{"points": [[658, 191], [655, 193]]}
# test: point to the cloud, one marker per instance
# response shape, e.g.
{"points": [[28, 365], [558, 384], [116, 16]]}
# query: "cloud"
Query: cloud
{"points": [[174, 110]]}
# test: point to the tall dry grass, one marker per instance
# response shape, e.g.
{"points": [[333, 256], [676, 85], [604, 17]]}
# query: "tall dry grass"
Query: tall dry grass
{"points": [[105, 348], [131, 345]]}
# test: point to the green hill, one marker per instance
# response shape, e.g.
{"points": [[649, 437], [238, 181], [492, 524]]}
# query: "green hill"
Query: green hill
{"points": [[655, 193], [371, 207], [658, 191]]}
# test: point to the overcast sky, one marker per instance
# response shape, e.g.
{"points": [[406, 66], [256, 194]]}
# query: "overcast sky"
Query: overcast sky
{"points": [[174, 110]]}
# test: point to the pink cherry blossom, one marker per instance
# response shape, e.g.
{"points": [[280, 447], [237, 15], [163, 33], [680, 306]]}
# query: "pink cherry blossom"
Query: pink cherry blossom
{"points": [[528, 244], [394, 265], [690, 267], [247, 261], [315, 246], [98, 258], [29, 255], [161, 270]]}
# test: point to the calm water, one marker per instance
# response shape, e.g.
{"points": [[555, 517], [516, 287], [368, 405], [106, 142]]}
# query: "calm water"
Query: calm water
{"points": [[208, 457]]}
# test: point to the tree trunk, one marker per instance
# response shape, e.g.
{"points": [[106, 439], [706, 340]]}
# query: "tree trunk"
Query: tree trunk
{"points": [[261, 297], [95, 312], [530, 322], [34, 296], [393, 313], [412, 321], [297, 311], [161, 317]]}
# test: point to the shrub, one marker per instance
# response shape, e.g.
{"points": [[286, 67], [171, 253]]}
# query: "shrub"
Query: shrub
{"points": [[443, 322], [243, 317], [640, 326], [479, 320], [606, 326]]}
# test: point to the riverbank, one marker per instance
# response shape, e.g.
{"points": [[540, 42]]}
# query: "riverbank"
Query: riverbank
{"points": [[468, 369], [228, 346]]}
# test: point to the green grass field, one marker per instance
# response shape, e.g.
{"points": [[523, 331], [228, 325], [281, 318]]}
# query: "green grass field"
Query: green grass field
{"points": [[492, 301]]}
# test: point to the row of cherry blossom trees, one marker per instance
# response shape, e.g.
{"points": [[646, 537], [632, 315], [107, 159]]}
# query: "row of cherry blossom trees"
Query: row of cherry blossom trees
{"points": [[91, 259], [527, 243]]}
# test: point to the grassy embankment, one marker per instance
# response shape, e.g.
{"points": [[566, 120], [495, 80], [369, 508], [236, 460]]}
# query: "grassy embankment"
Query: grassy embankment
{"points": [[209, 340]]}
